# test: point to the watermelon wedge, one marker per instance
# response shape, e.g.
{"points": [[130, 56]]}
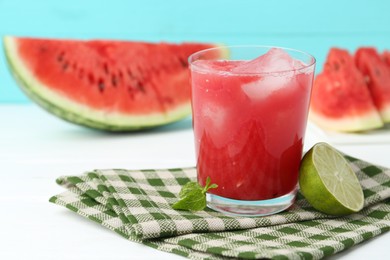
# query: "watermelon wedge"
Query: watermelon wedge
{"points": [[341, 100], [102, 84], [377, 74]]}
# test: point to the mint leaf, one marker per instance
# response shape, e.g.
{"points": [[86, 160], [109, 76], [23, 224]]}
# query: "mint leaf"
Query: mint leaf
{"points": [[193, 201], [212, 186], [208, 186], [188, 188], [193, 196]]}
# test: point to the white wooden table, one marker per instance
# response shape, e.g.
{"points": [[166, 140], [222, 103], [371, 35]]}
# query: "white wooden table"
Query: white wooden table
{"points": [[36, 147]]}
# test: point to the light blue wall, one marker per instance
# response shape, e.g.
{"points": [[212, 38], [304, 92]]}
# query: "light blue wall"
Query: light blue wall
{"points": [[310, 25]]}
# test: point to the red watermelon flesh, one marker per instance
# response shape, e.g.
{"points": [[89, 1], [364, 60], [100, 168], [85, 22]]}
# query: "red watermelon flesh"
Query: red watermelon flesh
{"points": [[340, 98], [377, 75], [386, 57], [111, 85]]}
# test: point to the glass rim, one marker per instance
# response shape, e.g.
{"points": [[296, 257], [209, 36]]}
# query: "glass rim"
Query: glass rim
{"points": [[254, 46]]}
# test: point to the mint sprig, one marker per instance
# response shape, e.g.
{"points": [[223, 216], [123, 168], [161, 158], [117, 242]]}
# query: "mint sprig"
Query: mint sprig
{"points": [[193, 196]]}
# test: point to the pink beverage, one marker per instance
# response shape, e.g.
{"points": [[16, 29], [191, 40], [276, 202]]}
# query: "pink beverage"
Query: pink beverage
{"points": [[249, 121]]}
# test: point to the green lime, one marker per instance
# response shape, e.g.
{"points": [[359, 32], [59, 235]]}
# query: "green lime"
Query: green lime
{"points": [[328, 182]]}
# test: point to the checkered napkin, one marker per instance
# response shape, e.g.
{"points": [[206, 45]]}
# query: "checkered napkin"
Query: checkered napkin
{"points": [[137, 205]]}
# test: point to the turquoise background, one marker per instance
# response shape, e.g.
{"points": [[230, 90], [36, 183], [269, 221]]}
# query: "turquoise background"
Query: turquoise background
{"points": [[309, 25]]}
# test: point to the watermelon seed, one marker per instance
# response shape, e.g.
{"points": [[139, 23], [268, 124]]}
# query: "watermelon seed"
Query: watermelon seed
{"points": [[65, 65], [140, 86], [91, 78], [183, 62], [101, 85], [119, 78], [105, 66], [114, 80], [60, 57]]}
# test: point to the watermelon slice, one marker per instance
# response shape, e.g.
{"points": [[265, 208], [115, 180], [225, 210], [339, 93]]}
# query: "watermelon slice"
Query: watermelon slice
{"points": [[377, 75], [109, 85], [340, 98]]}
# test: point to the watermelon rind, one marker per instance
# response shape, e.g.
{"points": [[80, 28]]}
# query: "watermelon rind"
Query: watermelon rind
{"points": [[74, 112], [364, 122], [385, 113]]}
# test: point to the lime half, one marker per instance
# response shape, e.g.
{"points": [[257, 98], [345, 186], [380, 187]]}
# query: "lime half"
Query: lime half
{"points": [[328, 182]]}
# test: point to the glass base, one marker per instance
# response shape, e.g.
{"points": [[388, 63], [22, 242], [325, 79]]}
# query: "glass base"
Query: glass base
{"points": [[250, 208]]}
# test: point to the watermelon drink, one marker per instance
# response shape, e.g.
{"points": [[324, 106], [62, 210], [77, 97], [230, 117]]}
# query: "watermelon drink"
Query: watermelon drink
{"points": [[249, 119]]}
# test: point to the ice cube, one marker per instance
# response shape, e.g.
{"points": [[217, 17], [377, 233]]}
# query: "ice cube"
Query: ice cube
{"points": [[215, 120], [215, 114], [264, 87], [275, 60], [277, 69]]}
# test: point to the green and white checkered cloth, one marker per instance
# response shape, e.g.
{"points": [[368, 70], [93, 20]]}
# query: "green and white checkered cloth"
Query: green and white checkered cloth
{"points": [[137, 205]]}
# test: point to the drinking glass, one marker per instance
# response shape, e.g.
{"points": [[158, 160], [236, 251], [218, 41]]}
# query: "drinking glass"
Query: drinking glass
{"points": [[249, 122]]}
